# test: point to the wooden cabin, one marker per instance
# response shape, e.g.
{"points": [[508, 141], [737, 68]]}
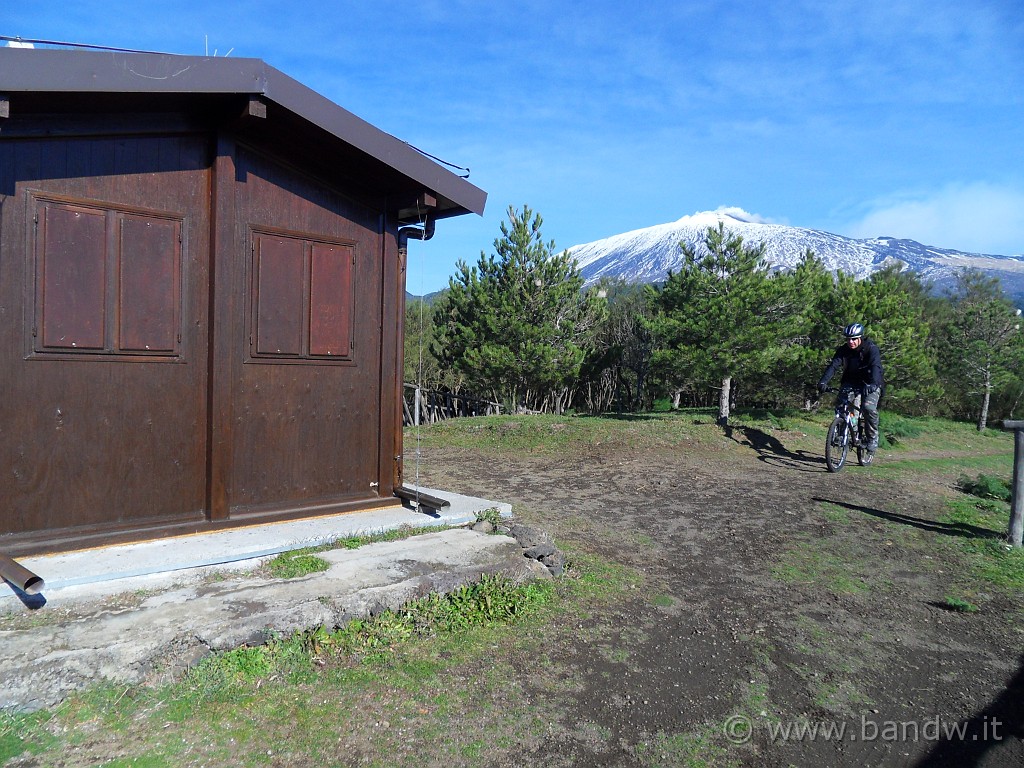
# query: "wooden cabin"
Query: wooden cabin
{"points": [[202, 288]]}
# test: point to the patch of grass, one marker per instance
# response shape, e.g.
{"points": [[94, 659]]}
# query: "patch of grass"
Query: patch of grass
{"points": [[989, 560], [663, 601], [143, 761], [298, 562], [944, 469], [490, 600], [392, 534], [694, 749], [895, 429], [244, 664], [596, 580], [835, 513], [995, 562], [303, 561], [959, 604], [809, 562], [550, 434], [985, 487], [841, 697], [24, 733], [614, 655], [979, 513], [404, 688], [795, 424]]}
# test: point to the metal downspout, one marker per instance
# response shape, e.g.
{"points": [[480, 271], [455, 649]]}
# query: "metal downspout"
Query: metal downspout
{"points": [[413, 232], [20, 576], [404, 235]]}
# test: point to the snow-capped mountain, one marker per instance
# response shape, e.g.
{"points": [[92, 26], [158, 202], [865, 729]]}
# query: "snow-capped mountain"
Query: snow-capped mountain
{"points": [[646, 255]]}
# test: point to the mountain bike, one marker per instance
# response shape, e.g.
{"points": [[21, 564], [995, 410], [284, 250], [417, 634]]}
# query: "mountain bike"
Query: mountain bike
{"points": [[847, 430]]}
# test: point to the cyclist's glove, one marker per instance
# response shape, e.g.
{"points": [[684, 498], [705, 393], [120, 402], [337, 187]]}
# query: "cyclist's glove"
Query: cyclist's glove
{"points": [[821, 386]]}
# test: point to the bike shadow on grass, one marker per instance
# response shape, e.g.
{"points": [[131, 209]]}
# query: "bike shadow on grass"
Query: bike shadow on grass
{"points": [[963, 530], [772, 451]]}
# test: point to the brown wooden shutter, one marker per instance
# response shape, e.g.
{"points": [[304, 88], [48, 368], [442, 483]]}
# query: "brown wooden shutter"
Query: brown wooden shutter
{"points": [[71, 296], [149, 258], [330, 306]]}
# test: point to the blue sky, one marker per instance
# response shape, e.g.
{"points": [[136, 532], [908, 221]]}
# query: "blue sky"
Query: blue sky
{"points": [[902, 117]]}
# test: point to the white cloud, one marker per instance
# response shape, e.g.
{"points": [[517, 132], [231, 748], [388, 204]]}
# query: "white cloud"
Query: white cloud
{"points": [[742, 215], [977, 218]]}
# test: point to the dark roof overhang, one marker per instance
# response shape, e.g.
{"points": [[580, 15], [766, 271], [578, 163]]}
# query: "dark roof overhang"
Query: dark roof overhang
{"points": [[281, 110]]}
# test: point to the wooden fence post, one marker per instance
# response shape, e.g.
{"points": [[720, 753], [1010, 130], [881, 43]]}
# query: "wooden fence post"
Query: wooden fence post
{"points": [[1016, 533], [431, 406]]}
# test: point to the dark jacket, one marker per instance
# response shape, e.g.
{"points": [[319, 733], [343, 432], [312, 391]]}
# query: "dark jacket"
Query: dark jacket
{"points": [[861, 366]]}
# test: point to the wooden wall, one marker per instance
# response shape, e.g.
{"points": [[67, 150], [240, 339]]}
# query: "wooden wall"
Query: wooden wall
{"points": [[191, 334], [94, 428], [301, 360]]}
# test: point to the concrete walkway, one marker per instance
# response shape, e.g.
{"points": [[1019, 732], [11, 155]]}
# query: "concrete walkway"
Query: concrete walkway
{"points": [[103, 570], [145, 612]]}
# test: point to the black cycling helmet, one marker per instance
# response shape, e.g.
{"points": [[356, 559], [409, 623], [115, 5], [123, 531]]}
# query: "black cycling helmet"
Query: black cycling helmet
{"points": [[853, 331]]}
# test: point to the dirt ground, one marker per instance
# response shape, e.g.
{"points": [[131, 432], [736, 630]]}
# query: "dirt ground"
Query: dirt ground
{"points": [[774, 595]]}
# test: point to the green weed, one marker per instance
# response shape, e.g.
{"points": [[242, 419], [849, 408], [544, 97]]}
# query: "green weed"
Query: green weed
{"points": [[393, 534], [895, 429], [303, 561], [490, 515], [959, 604], [299, 562], [985, 487], [979, 513], [491, 600]]}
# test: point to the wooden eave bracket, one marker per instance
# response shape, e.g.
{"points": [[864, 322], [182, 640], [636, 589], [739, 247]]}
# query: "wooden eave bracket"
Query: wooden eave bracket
{"points": [[415, 209], [255, 107]]}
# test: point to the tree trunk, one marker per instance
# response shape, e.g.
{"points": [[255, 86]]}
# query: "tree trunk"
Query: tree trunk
{"points": [[983, 416], [1016, 402], [723, 401], [675, 399]]}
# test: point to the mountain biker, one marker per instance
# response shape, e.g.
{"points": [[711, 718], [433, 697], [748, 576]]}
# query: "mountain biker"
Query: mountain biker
{"points": [[862, 377]]}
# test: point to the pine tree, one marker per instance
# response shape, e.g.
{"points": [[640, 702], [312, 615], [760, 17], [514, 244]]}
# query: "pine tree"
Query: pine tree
{"points": [[802, 351], [615, 371], [982, 337], [891, 305], [517, 325], [421, 367], [723, 314]]}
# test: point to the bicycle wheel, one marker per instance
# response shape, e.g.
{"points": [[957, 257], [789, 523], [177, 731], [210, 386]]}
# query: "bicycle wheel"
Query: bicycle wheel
{"points": [[837, 445]]}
